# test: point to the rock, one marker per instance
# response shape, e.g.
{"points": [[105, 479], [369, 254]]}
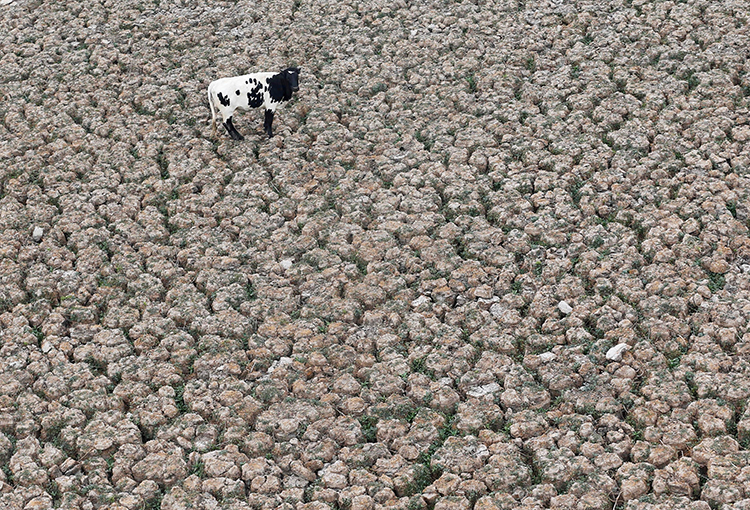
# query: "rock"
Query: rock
{"points": [[615, 353], [480, 391], [453, 503], [163, 464], [546, 357], [420, 302], [286, 264], [564, 307]]}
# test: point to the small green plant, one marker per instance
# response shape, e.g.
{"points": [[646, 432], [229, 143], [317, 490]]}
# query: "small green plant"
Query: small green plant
{"points": [[368, 425], [163, 163], [360, 263], [379, 87], [419, 365], [97, 367], [250, 293], [448, 429], [716, 281], [732, 207], [472, 82], [197, 469], [179, 392], [516, 286], [37, 332], [575, 192], [425, 475], [423, 140], [538, 268], [267, 393], [673, 362], [8, 473], [415, 503], [154, 503], [691, 79], [53, 490], [692, 386]]}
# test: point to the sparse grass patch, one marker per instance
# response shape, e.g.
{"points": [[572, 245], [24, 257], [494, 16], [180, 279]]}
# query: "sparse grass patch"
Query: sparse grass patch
{"points": [[575, 192], [197, 469], [179, 399], [516, 286], [368, 425], [161, 160], [359, 262], [716, 281], [377, 88], [97, 367], [692, 80], [419, 365], [250, 292], [427, 143], [471, 82], [732, 207]]}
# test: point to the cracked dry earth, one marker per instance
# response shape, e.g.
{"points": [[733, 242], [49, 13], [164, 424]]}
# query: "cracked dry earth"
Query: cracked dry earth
{"points": [[406, 299]]}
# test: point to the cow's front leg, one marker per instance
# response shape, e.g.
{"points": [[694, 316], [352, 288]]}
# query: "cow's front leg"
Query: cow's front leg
{"points": [[232, 131], [268, 124]]}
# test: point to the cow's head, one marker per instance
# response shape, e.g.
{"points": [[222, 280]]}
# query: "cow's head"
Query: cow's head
{"points": [[292, 76]]}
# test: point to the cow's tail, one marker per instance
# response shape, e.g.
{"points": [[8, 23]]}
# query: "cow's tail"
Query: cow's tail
{"points": [[213, 112]]}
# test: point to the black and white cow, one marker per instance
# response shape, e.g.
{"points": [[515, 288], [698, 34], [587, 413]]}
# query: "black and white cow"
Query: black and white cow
{"points": [[251, 91]]}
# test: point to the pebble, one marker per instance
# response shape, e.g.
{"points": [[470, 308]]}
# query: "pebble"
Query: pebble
{"points": [[286, 264], [281, 362], [421, 300], [547, 356], [480, 391], [615, 353], [564, 307]]}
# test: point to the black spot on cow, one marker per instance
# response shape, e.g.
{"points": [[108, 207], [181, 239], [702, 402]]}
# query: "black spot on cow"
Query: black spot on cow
{"points": [[255, 96], [224, 100], [237, 92], [254, 101]]}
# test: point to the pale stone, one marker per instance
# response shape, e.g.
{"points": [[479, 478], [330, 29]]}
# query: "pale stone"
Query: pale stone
{"points": [[564, 307], [615, 353], [480, 391], [546, 357]]}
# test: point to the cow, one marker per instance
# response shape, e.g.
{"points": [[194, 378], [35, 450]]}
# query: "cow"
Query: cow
{"points": [[251, 91]]}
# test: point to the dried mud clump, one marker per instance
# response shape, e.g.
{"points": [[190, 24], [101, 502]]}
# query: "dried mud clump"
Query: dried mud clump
{"points": [[496, 257]]}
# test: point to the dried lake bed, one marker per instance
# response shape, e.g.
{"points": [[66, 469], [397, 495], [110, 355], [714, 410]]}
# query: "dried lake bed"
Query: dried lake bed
{"points": [[496, 256]]}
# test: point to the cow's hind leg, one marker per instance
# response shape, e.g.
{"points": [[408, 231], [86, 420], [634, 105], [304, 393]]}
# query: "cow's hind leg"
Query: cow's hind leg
{"points": [[232, 131]]}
